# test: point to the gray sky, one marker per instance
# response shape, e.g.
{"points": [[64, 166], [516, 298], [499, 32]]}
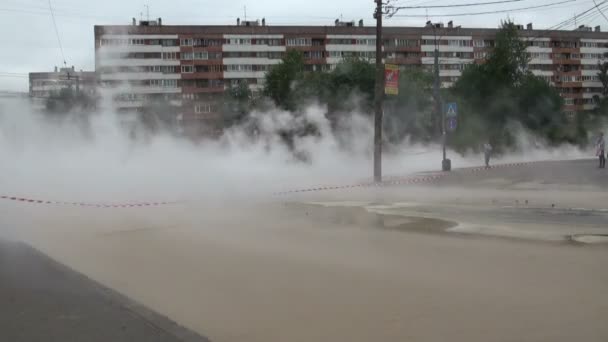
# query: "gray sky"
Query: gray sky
{"points": [[29, 42]]}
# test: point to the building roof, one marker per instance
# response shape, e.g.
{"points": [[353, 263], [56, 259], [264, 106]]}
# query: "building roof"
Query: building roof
{"points": [[324, 30]]}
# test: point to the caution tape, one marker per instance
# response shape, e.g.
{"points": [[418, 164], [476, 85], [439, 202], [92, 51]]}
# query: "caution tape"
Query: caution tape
{"points": [[403, 180], [84, 204], [392, 182]]}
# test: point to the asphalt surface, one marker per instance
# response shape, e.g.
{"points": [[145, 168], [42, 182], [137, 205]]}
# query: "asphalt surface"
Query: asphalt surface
{"points": [[42, 300], [573, 173]]}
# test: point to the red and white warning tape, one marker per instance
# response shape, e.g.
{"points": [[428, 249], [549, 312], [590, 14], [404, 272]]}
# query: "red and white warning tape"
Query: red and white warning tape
{"points": [[394, 181], [84, 204], [403, 180]]}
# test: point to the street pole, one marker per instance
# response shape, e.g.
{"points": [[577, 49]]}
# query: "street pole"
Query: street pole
{"points": [[438, 104], [378, 95]]}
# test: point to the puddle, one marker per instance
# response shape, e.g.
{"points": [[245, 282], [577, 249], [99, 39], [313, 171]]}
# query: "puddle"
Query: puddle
{"points": [[590, 238], [362, 217]]}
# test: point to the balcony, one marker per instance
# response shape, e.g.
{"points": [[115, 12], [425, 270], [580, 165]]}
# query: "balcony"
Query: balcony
{"points": [[203, 75], [198, 90]]}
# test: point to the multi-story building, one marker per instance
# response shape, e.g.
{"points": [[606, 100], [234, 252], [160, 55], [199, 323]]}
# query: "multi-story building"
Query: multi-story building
{"points": [[190, 65], [46, 84]]}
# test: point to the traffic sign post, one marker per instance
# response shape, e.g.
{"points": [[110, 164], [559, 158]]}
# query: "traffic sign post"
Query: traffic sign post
{"points": [[450, 122], [451, 110]]}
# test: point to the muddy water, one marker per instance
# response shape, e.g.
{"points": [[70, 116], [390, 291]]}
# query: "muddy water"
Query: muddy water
{"points": [[278, 272]]}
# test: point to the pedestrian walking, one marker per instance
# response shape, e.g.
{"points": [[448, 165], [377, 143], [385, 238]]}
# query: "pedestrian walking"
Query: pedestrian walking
{"points": [[600, 146], [487, 152]]}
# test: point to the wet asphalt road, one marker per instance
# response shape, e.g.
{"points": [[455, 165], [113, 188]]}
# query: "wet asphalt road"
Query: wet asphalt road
{"points": [[42, 300]]}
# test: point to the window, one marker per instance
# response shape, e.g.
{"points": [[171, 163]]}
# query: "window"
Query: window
{"points": [[595, 78], [315, 54], [214, 55], [201, 55], [239, 41], [366, 42], [261, 67], [459, 43], [206, 42], [187, 68], [480, 55], [299, 41], [568, 101], [137, 42], [186, 42], [405, 42], [572, 78], [539, 55], [187, 56], [590, 44], [203, 108], [275, 55], [163, 83], [168, 42], [239, 67], [592, 55], [340, 41], [169, 55]]}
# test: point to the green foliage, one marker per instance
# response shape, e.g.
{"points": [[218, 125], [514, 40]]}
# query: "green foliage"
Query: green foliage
{"points": [[68, 99], [280, 80], [238, 101], [410, 114], [603, 75], [351, 77], [502, 91]]}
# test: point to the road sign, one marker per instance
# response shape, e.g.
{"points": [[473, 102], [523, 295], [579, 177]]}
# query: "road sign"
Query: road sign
{"points": [[391, 79], [451, 110], [452, 123]]}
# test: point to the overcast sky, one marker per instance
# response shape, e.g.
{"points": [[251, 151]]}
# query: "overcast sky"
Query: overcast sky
{"points": [[29, 43]]}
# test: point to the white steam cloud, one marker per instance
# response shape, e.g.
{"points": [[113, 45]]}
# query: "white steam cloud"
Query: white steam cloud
{"points": [[97, 160]]}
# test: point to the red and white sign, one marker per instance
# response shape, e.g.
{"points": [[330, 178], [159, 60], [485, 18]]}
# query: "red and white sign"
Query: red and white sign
{"points": [[391, 79]]}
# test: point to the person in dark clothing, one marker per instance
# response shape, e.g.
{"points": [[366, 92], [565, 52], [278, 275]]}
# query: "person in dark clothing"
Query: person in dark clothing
{"points": [[487, 152], [601, 149]]}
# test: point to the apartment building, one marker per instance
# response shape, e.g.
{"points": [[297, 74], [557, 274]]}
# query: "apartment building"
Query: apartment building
{"points": [[189, 66], [44, 84]]}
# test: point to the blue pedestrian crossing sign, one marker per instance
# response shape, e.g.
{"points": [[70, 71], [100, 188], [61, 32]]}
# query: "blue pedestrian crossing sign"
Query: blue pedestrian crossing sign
{"points": [[452, 123], [451, 110]]}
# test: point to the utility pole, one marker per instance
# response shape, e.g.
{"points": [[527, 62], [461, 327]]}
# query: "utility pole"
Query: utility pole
{"points": [[440, 112], [379, 94], [437, 92]]}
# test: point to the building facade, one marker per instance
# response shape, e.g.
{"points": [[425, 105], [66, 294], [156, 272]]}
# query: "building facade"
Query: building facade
{"points": [[189, 66], [45, 84]]}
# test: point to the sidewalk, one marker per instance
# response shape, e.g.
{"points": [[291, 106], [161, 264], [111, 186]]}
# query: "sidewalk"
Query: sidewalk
{"points": [[42, 300]]}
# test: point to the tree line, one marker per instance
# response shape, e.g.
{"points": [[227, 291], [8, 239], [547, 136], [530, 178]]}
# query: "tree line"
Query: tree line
{"points": [[496, 99]]}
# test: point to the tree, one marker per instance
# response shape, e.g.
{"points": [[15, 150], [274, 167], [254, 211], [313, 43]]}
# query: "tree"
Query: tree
{"points": [[280, 80], [67, 99], [501, 91], [410, 114], [352, 78], [238, 101], [603, 75]]}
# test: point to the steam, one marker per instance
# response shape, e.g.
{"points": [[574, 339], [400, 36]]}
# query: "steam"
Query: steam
{"points": [[95, 159]]}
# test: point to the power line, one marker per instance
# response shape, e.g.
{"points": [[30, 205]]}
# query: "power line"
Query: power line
{"points": [[57, 33], [585, 15], [484, 13], [599, 10], [460, 5]]}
